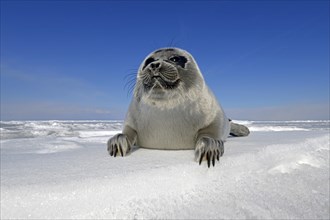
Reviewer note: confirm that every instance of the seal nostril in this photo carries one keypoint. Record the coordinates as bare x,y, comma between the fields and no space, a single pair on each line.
155,65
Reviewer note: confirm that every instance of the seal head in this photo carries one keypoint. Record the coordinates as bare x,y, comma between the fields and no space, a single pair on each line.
167,74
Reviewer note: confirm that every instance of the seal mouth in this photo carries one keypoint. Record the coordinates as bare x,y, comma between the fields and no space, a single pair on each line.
158,83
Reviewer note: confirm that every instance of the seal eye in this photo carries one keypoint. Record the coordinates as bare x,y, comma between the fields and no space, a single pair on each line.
148,61
179,60
175,59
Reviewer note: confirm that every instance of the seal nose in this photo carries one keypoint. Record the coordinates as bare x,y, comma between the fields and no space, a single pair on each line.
155,65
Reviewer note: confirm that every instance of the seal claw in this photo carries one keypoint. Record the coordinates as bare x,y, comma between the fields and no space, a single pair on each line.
115,151
121,151
208,157
201,158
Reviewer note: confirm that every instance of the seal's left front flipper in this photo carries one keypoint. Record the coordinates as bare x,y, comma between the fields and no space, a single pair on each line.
210,149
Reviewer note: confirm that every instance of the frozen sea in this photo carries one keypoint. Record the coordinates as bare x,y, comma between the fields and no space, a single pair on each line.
61,170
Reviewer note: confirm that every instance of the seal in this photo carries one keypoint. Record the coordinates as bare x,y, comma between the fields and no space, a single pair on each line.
173,109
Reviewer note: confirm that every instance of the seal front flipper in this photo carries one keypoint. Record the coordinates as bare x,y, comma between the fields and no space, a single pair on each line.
122,143
210,140
210,148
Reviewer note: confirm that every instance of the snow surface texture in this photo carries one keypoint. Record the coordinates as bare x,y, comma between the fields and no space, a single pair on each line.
61,170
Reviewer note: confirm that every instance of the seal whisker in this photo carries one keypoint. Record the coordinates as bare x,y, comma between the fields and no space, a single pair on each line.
129,85
130,79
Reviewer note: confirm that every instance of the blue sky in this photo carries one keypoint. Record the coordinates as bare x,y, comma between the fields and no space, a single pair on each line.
264,60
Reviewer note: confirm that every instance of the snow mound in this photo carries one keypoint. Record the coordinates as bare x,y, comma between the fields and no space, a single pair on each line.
267,175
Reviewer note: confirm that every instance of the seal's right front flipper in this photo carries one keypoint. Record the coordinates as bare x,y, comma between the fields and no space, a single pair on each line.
121,144
238,130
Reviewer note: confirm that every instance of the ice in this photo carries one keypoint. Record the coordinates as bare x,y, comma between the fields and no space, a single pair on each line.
61,170
277,128
30,129
286,125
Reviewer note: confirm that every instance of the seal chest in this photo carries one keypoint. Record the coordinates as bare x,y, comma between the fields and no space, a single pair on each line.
170,129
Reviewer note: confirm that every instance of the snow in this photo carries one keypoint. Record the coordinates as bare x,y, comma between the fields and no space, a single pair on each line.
61,170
